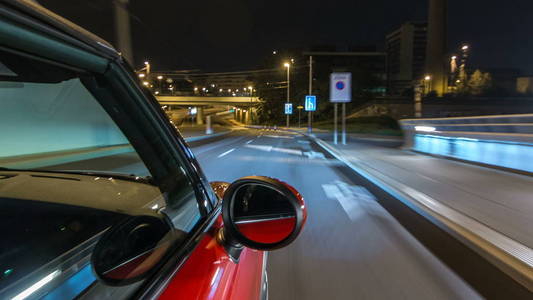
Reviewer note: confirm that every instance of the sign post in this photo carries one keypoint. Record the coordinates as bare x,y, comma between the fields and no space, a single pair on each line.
310,112
340,91
299,107
418,101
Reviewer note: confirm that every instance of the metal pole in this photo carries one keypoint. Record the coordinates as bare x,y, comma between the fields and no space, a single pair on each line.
299,117
335,124
418,101
288,91
309,121
344,123
122,29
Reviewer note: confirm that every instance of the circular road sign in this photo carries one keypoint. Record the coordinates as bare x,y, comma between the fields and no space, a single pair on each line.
340,85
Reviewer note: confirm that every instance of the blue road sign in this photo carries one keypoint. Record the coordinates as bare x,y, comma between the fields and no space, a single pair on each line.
310,103
288,108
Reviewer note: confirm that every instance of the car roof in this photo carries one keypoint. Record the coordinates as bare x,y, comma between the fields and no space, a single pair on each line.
40,18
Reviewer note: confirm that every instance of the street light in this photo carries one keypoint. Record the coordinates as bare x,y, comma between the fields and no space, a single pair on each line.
142,75
160,78
288,66
427,84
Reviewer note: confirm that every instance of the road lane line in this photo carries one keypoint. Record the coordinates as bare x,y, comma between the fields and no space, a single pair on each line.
349,197
227,152
249,142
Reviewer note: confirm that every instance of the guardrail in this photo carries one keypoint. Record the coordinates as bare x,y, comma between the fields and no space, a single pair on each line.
504,141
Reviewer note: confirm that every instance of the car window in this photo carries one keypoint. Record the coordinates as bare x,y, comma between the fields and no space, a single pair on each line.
69,174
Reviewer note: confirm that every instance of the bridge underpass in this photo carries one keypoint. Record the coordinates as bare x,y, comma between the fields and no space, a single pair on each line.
245,107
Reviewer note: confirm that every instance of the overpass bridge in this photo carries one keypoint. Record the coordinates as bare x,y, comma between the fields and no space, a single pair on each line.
208,100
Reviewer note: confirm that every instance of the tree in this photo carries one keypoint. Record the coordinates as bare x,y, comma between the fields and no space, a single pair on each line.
479,83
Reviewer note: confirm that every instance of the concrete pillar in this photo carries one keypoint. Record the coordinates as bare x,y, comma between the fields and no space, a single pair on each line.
247,117
199,115
208,128
122,29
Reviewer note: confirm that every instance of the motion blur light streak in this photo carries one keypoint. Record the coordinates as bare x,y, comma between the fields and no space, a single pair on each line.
425,128
39,284
508,155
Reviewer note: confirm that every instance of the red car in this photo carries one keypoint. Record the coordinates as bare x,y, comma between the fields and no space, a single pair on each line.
100,196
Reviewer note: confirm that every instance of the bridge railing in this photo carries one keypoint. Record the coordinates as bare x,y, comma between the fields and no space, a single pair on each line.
504,141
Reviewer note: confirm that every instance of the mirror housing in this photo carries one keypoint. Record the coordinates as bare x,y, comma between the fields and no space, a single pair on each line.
262,213
132,249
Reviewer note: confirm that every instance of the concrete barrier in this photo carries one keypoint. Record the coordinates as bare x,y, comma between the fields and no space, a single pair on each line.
504,141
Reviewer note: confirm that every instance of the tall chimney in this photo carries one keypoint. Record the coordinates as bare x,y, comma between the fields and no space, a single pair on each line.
436,45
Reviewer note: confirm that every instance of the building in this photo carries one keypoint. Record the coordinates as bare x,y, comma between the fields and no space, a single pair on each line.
436,60
524,85
406,56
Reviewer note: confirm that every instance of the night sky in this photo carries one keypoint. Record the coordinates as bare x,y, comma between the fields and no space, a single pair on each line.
235,34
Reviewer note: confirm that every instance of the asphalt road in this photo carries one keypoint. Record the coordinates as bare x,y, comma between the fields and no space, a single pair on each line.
351,247
359,242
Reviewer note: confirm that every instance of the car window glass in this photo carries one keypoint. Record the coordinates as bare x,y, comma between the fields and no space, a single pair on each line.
68,175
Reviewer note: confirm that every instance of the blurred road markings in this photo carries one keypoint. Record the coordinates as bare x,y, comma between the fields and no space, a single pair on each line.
279,136
313,155
275,149
348,196
227,152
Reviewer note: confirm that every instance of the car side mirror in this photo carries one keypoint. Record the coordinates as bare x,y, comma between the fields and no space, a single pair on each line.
132,249
262,213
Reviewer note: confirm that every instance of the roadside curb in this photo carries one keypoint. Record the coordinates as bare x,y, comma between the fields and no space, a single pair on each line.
508,255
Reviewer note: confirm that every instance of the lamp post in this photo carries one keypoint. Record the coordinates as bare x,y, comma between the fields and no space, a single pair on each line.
288,66
427,84
251,89
159,79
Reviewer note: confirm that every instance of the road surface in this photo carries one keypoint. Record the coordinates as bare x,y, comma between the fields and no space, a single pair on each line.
359,242
351,247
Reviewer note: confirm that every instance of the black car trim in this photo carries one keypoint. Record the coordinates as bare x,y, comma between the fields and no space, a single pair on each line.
42,19
22,37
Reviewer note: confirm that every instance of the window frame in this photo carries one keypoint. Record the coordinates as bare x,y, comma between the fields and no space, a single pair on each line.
127,93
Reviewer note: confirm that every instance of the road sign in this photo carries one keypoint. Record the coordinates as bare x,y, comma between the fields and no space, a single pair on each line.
310,103
340,90
288,108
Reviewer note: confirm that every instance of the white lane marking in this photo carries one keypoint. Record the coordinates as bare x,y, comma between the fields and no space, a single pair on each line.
275,149
279,136
227,152
288,151
349,197
249,142
304,142
313,154
260,147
